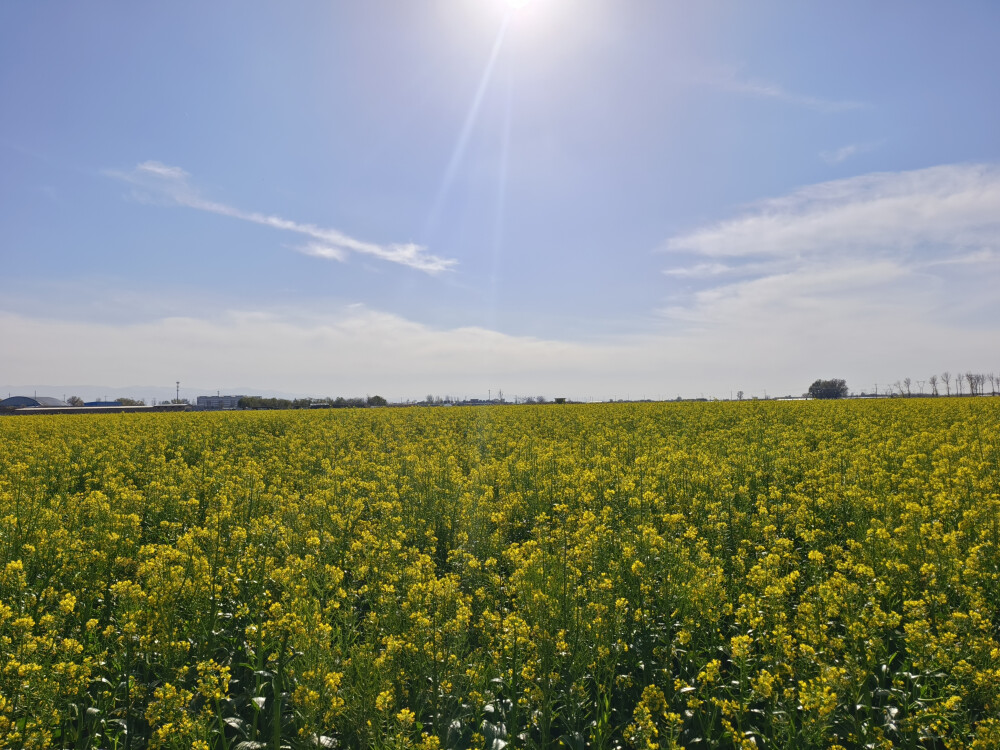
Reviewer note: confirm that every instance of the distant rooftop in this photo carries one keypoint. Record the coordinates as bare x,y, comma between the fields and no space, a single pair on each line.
18,402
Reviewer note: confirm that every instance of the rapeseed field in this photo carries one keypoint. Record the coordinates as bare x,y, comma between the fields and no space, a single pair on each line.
733,575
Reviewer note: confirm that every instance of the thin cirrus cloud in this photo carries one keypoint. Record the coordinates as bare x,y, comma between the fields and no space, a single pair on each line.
903,247
732,80
172,183
700,270
939,211
322,250
842,154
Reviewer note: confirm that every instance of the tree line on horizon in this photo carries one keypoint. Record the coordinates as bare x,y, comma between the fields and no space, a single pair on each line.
121,401
974,384
968,383
261,402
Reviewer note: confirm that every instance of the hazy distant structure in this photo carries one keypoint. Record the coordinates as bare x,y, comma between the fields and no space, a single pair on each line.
19,402
215,403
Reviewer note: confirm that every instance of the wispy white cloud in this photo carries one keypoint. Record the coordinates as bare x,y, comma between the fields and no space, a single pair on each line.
839,155
842,154
942,209
701,270
979,257
320,250
716,270
162,170
826,287
172,184
733,80
883,268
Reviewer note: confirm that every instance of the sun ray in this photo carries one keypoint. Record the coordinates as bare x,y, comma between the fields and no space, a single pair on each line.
458,152
501,210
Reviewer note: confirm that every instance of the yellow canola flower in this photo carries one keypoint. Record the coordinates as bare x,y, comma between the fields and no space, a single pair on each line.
384,569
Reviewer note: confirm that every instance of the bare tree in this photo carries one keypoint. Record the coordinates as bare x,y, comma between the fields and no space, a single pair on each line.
906,382
993,384
739,395
958,384
933,382
946,377
970,378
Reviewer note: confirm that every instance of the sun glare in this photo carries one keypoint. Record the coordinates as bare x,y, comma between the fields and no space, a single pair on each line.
516,3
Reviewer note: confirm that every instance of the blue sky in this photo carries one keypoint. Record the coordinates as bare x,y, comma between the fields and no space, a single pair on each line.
567,197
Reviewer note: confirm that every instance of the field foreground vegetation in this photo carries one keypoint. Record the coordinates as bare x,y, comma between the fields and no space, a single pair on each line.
771,575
